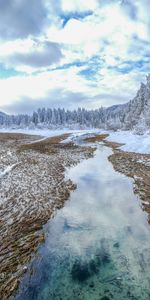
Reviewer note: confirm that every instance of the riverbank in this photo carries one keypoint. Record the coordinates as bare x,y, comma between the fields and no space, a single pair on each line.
33,186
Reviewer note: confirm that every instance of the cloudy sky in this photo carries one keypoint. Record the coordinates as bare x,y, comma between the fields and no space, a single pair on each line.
70,53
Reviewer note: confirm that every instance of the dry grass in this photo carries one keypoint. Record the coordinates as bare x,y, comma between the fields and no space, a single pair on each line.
102,138
47,146
96,138
5,136
112,145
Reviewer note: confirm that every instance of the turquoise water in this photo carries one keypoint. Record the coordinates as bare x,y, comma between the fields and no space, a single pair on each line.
98,246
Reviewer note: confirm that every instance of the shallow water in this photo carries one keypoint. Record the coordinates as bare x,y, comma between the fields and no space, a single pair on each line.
98,245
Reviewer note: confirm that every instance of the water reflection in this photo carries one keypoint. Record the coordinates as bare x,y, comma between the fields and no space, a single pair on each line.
98,245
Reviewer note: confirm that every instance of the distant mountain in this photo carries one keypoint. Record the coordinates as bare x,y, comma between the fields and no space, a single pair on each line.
134,115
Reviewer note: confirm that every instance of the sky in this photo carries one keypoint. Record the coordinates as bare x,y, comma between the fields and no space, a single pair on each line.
72,53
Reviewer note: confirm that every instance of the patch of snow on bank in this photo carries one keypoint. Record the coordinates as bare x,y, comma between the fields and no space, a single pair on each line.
81,133
7,170
133,142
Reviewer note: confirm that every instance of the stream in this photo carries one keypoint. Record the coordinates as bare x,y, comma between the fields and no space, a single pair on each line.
97,246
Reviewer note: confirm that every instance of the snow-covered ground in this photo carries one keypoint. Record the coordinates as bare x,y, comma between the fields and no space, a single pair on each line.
7,170
133,142
49,132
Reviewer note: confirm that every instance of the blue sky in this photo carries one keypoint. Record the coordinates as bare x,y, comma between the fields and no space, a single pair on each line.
72,53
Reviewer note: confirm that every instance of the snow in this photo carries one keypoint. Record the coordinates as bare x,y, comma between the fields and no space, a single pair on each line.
51,133
7,170
42,132
133,142
81,133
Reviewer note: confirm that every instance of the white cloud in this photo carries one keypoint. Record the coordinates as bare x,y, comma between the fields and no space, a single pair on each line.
30,55
78,5
108,33
19,19
61,87
38,86
9,47
109,42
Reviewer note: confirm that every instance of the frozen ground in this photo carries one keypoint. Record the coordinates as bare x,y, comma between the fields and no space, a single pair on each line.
133,142
48,132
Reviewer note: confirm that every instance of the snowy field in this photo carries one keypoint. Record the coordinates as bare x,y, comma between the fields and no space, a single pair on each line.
133,142
50,133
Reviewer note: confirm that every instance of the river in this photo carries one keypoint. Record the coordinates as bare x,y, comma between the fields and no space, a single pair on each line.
97,246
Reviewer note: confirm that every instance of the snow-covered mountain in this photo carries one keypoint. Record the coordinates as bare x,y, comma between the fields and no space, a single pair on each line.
134,115
137,115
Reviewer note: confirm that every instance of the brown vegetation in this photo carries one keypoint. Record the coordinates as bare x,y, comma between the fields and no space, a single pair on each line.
6,136
112,145
96,138
48,146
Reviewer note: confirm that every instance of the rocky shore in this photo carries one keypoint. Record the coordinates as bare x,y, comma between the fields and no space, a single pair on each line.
32,187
